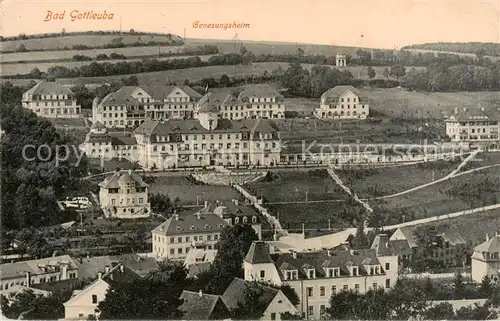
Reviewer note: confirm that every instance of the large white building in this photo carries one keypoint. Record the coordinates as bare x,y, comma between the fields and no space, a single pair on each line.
343,102
316,276
256,101
485,261
51,100
474,125
130,106
124,195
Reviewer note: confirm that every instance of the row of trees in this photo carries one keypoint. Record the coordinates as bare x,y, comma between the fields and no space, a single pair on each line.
477,48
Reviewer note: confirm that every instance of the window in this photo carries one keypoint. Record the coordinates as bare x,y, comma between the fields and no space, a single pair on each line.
179,240
309,291
354,270
345,287
322,309
273,316
262,274
310,310
334,289
179,250
94,299
172,240
321,291
172,251
387,283
387,266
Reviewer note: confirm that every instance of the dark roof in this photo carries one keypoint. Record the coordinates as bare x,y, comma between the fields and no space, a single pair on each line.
142,266
235,293
119,176
229,209
211,101
90,267
161,92
35,267
97,125
260,91
98,138
491,245
49,88
198,306
258,253
189,224
476,114
63,285
123,140
334,93
122,96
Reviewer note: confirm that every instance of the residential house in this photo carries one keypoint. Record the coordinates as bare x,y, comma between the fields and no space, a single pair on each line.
316,276
478,126
84,303
27,273
274,302
262,101
203,306
90,267
174,238
124,195
51,100
485,261
199,259
343,102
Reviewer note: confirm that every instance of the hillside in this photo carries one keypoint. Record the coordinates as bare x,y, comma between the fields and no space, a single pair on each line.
89,39
486,48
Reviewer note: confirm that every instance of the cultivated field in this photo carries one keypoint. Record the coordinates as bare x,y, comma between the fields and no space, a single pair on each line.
72,40
456,194
26,68
188,191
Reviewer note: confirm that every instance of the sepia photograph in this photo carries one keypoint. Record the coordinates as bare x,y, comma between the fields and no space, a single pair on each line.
250,160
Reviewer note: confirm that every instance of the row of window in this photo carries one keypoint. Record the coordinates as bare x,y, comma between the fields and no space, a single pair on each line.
59,111
186,239
348,106
50,97
345,287
53,278
66,103
490,123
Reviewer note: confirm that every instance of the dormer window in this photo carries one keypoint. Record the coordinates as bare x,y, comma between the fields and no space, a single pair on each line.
311,273
333,272
254,219
291,274
245,219
236,220
354,271
193,227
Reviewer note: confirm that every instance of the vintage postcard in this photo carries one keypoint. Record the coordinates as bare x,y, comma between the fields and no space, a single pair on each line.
250,160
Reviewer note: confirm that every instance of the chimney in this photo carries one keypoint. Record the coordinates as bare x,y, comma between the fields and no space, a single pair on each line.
130,172
200,293
28,279
456,110
482,108
235,202
328,252
122,269
487,237
106,269
294,254
99,275
198,215
206,204
464,109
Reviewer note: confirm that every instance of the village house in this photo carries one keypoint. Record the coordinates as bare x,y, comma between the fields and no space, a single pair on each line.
274,301
174,238
124,195
130,106
485,261
202,306
90,267
51,100
343,102
45,270
316,276
479,126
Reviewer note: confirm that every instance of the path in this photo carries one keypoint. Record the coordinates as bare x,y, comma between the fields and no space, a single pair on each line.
348,191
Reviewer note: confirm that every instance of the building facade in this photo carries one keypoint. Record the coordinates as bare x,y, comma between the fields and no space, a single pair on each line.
175,237
51,100
343,102
341,60
130,106
485,261
124,195
235,213
475,125
316,276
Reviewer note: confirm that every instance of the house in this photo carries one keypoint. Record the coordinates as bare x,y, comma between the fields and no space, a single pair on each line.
84,303
486,259
274,301
226,105
124,195
27,273
174,238
262,101
479,126
316,276
202,306
343,102
90,267
51,100
130,106
199,259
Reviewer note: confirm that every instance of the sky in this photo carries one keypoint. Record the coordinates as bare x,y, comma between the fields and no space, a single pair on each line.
367,23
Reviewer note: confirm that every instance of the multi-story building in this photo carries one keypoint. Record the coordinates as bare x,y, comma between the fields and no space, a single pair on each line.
316,276
124,195
46,270
485,261
130,106
175,237
343,102
262,101
51,100
206,141
475,125
226,105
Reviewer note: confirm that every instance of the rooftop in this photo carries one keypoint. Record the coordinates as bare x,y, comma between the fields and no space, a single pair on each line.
258,253
191,224
235,293
259,91
334,93
49,88
475,114
122,176
491,245
197,305
36,267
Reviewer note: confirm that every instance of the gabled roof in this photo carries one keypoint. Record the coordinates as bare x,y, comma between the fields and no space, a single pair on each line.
198,306
35,267
90,267
159,92
97,125
49,88
492,245
122,176
229,209
259,91
476,114
122,96
334,93
191,224
235,293
258,253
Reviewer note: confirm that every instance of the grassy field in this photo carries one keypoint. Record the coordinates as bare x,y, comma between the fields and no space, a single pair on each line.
71,40
483,159
456,194
26,68
187,191
385,181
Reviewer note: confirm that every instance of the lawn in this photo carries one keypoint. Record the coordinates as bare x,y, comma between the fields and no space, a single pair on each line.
87,40
292,186
468,191
68,122
111,165
188,192
390,180
483,159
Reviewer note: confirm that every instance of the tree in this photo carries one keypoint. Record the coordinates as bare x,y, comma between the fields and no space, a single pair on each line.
397,71
441,311
177,204
253,305
224,80
290,293
459,285
160,203
21,48
130,81
371,72
386,73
